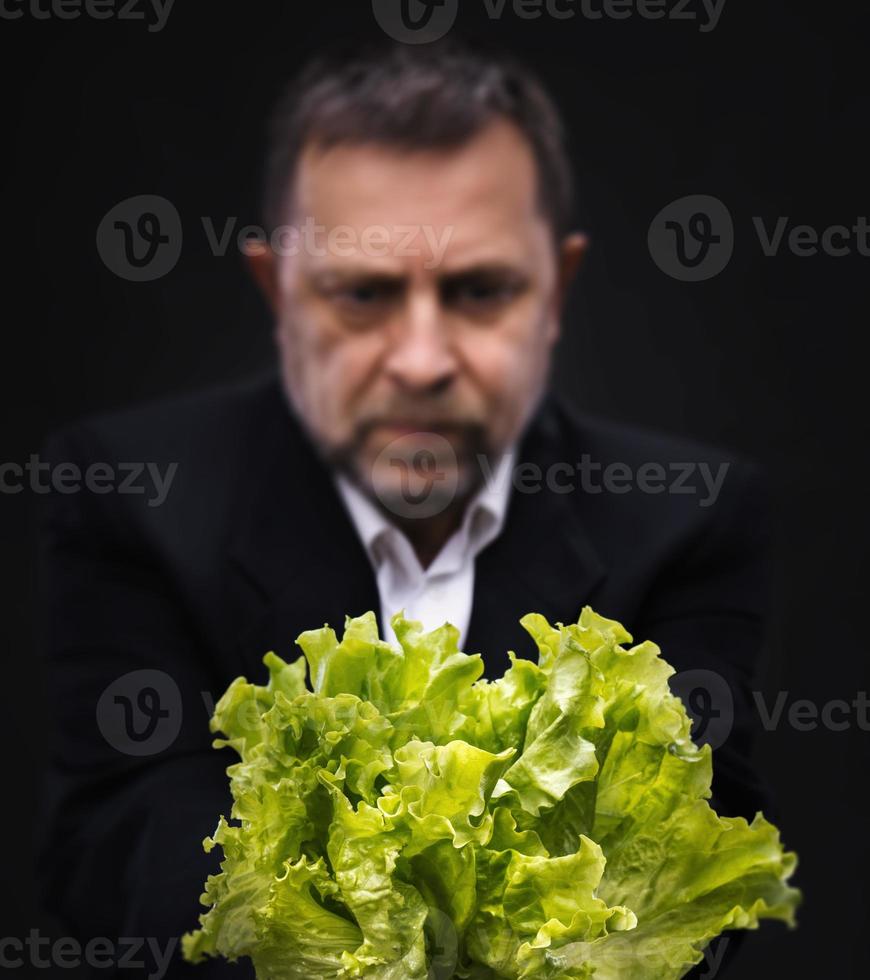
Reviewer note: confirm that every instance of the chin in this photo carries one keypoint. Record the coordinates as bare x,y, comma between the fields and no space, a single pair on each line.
409,493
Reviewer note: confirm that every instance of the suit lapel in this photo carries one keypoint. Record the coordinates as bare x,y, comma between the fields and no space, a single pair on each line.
301,563
543,561
295,547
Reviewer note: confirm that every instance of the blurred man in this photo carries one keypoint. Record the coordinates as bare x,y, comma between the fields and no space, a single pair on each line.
408,454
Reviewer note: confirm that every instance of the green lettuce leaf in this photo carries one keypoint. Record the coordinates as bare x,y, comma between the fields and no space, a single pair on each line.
402,818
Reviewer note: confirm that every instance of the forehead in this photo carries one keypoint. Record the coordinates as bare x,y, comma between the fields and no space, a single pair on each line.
484,192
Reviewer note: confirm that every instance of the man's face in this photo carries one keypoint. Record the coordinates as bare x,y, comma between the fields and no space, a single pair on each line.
418,309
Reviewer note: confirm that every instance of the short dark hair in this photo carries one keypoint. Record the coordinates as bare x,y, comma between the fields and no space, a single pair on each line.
415,97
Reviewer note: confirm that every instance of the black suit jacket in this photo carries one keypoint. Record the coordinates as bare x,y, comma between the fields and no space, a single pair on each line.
253,546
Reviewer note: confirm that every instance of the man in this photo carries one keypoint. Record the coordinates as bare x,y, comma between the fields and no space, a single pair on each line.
409,454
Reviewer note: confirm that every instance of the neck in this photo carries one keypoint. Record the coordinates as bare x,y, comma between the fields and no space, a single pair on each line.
428,536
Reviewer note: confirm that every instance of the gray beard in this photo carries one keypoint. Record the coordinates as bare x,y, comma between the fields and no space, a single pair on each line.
435,497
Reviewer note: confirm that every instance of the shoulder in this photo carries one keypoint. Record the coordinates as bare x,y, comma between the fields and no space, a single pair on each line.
179,426
612,441
168,470
645,488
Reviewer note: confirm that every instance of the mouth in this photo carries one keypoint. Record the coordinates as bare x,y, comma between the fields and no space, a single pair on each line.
403,428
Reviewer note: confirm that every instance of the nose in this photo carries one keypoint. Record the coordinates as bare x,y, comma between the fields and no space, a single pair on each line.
421,358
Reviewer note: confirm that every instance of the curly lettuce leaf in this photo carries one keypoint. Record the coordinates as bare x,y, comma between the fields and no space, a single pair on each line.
402,817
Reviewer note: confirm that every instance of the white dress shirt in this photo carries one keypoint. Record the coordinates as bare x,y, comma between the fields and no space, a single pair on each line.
442,592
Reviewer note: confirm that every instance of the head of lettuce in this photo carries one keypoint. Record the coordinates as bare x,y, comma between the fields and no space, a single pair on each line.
405,819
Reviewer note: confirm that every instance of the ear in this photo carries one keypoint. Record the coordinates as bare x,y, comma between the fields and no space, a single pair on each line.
263,268
572,251
569,256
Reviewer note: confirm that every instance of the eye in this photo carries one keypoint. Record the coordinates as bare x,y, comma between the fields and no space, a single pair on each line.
361,300
364,294
481,292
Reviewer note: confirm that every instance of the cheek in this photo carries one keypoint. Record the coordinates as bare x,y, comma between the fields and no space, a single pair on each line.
328,370
508,361
345,371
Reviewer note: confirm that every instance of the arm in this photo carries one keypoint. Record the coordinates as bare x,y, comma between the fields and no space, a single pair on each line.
708,612
123,820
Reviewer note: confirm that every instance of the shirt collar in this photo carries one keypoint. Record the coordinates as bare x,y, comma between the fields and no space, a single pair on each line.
482,520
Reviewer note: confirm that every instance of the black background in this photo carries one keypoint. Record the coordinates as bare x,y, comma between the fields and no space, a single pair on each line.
768,112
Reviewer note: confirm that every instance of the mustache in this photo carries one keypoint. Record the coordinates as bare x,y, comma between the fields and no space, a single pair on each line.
425,422
474,441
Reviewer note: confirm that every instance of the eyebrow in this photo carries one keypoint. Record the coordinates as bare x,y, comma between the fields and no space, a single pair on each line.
493,270
338,277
